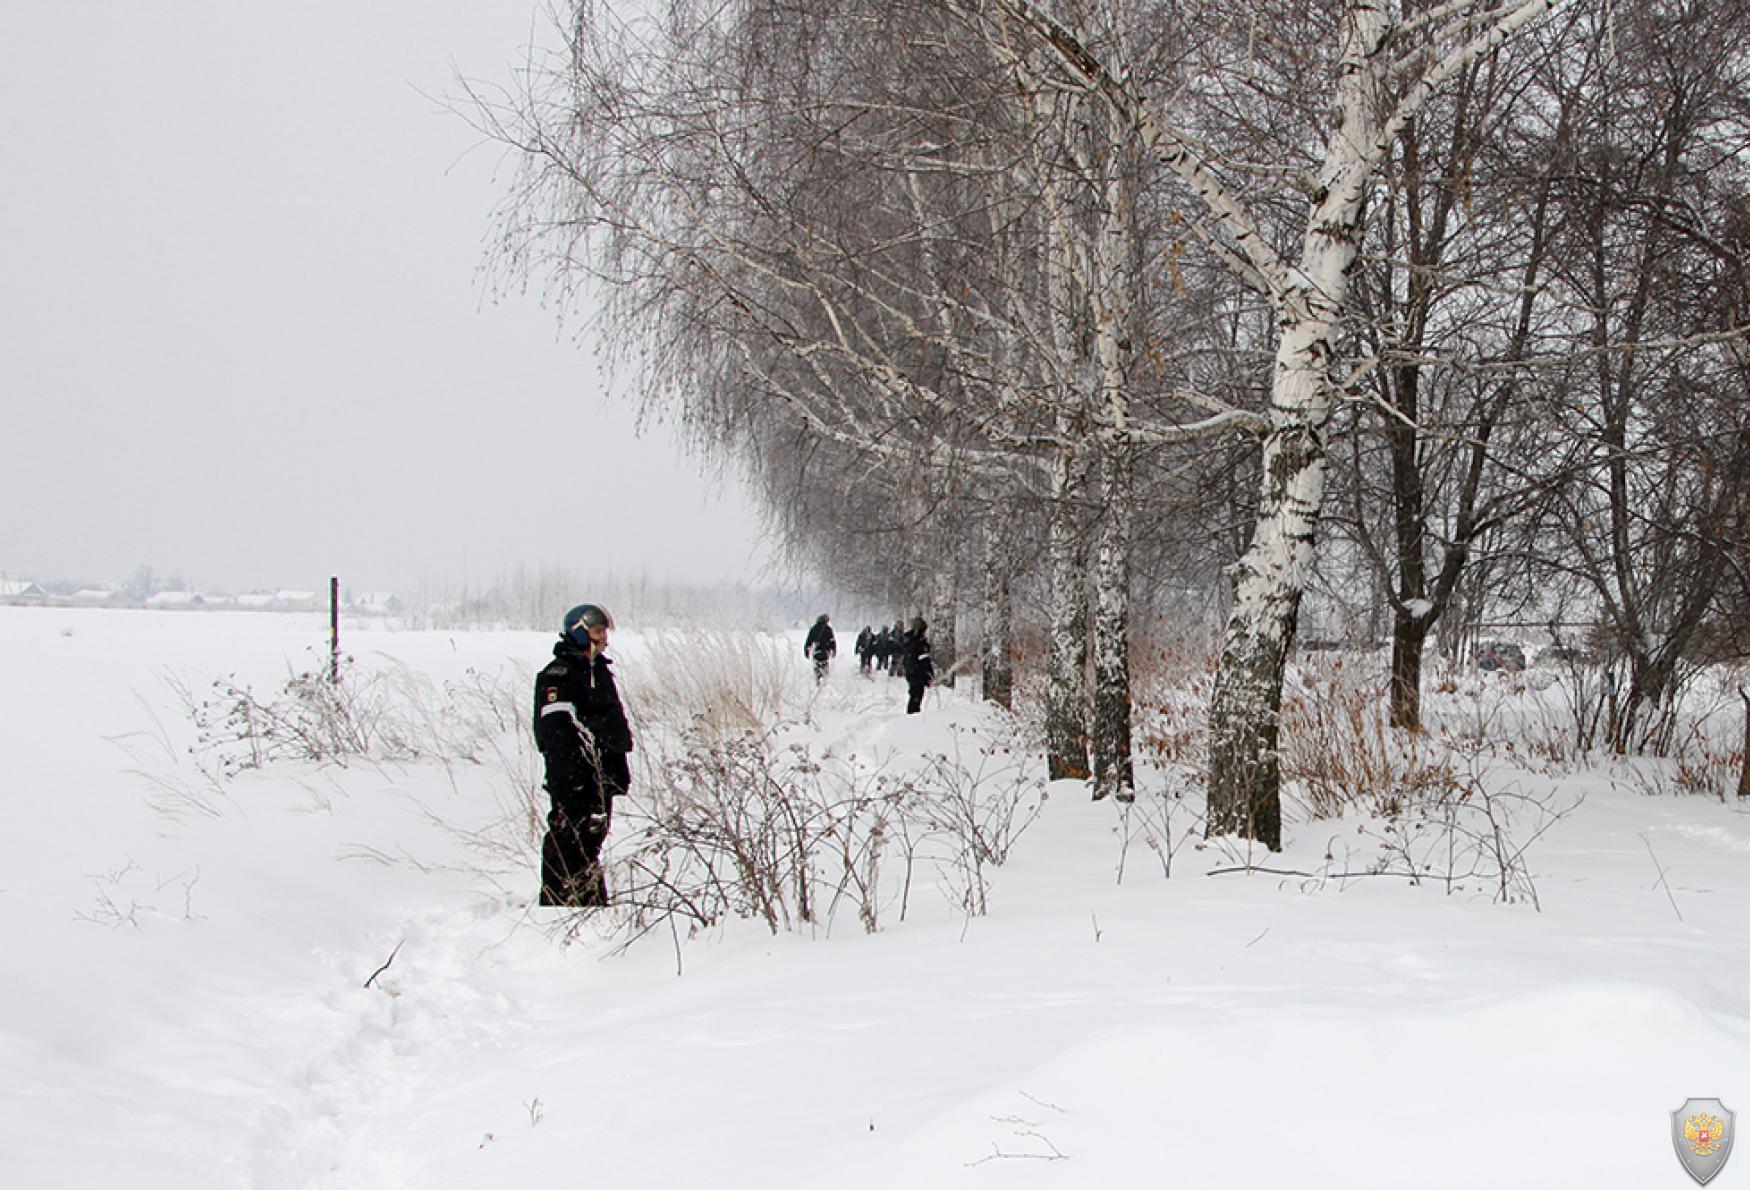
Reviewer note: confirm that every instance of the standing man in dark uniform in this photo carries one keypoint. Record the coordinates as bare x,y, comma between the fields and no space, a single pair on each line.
820,646
584,738
920,667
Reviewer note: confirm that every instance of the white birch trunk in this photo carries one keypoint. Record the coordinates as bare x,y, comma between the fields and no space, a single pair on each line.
1066,737
1244,713
1066,710
1114,770
1114,311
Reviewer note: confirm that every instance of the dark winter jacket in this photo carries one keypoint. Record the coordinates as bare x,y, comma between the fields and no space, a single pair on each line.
886,644
821,643
865,642
582,731
920,667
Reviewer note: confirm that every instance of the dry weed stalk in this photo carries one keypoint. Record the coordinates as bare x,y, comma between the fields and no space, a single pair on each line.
726,681
1340,752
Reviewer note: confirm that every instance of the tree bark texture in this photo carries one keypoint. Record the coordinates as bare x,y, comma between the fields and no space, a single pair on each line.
1408,648
1114,770
944,612
997,670
1066,737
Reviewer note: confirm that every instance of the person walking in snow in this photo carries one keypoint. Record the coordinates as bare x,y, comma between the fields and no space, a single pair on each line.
889,645
581,730
820,646
865,649
920,667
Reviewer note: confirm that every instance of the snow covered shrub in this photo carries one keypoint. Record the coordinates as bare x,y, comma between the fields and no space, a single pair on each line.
1150,822
392,715
1027,696
316,715
755,824
1584,693
1709,741
479,718
1470,833
978,804
481,721
741,825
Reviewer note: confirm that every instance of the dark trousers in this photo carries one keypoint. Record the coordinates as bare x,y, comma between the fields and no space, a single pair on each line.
571,869
915,703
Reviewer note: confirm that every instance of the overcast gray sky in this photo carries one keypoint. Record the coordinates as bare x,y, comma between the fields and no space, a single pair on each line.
241,335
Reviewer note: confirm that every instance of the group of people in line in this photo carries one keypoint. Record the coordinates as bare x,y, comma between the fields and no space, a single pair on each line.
585,740
895,650
880,649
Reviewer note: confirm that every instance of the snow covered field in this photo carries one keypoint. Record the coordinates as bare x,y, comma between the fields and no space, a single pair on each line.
185,1004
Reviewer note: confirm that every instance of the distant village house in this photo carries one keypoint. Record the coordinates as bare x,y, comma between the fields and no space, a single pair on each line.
21,590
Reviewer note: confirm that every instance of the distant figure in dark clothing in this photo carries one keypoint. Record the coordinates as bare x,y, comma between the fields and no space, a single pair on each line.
892,645
920,667
820,646
584,738
865,649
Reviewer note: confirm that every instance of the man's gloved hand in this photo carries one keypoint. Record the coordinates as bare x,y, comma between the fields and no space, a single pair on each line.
617,772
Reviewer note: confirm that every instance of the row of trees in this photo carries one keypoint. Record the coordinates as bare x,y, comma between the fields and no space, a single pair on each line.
1084,306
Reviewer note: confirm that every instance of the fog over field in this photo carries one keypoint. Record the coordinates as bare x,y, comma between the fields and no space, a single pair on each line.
249,342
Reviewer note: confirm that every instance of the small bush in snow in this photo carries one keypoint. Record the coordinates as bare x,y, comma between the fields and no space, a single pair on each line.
314,715
975,802
1426,800
742,826
1472,833
747,825
391,715
1701,762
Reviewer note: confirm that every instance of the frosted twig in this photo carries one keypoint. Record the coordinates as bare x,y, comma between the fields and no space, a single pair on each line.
1659,868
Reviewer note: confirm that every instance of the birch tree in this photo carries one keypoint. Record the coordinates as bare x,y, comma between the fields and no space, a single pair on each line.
1380,64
